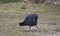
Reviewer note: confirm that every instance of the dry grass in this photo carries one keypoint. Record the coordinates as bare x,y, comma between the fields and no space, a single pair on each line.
11,14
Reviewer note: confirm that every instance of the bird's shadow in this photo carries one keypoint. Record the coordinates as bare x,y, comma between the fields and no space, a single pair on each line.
31,30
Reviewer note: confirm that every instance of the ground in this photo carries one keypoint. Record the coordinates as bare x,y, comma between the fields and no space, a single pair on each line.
11,14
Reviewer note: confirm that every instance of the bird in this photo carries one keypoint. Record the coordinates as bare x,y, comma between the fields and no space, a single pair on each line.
30,20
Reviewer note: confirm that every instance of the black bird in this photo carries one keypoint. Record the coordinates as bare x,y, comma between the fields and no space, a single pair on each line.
30,20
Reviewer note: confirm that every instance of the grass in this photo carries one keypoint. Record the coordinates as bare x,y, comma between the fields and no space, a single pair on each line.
12,13
8,1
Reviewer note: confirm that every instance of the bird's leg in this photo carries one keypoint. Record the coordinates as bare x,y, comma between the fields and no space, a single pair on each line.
29,28
36,27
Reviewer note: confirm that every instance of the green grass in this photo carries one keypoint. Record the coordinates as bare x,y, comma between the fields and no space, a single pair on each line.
7,1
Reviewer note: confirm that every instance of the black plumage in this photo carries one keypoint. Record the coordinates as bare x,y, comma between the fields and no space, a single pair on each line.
30,20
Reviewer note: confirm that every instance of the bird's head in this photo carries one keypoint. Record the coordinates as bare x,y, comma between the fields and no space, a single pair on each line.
21,24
